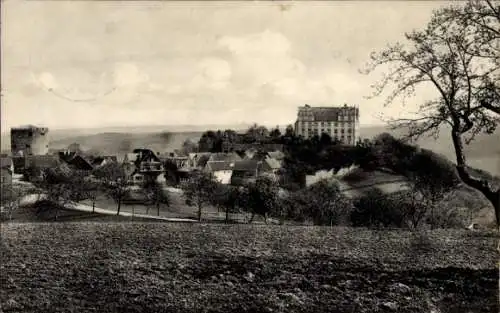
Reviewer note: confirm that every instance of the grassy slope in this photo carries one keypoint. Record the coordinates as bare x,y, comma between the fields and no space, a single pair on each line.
359,182
116,267
483,152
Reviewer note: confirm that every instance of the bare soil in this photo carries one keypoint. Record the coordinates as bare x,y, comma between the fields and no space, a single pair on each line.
151,267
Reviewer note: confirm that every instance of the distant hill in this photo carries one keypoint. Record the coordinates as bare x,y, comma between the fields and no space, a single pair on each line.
121,143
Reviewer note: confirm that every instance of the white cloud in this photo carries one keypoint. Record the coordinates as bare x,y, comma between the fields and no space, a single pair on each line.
128,75
213,73
266,59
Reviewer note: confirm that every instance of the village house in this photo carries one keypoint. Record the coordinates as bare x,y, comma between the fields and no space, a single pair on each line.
227,157
222,170
142,163
174,158
7,170
198,160
41,163
104,160
79,162
247,171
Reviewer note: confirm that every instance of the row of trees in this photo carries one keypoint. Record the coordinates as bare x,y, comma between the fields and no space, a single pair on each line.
258,198
212,141
62,188
324,203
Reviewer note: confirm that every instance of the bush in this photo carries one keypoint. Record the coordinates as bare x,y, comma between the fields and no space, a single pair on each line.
375,209
322,203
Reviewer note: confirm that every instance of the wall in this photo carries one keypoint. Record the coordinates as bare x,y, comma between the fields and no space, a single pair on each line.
29,141
223,177
6,176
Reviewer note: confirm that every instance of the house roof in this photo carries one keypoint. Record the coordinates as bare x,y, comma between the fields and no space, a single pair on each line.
278,155
42,161
131,157
326,114
202,160
180,152
215,166
273,163
80,162
246,165
113,158
6,162
225,157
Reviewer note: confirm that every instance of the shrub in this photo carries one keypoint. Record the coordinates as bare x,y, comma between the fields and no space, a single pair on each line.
375,209
322,203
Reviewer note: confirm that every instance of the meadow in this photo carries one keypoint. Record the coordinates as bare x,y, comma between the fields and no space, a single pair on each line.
153,267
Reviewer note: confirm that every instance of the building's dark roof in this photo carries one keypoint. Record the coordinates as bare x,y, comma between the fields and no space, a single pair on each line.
25,127
326,114
214,166
6,162
80,162
42,161
246,165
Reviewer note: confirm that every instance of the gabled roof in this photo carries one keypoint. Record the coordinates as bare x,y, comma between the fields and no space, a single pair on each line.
273,163
80,162
215,166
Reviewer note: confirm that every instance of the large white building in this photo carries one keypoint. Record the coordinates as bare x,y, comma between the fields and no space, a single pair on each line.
341,123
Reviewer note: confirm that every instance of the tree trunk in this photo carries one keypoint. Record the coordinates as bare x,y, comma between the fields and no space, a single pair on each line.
227,215
251,218
119,206
199,212
158,208
93,205
482,186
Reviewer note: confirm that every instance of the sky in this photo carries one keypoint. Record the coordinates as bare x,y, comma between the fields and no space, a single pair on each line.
102,64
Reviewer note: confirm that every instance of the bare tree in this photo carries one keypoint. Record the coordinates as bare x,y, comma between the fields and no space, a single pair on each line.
457,55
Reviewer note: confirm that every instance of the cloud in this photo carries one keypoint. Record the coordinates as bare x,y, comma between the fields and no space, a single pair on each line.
128,75
266,59
213,73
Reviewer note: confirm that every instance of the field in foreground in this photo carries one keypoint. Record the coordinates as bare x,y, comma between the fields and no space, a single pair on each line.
147,267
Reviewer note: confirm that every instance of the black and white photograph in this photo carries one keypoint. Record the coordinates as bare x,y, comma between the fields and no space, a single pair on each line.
250,156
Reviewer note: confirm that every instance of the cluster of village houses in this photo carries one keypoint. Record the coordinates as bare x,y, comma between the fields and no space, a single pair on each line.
233,168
